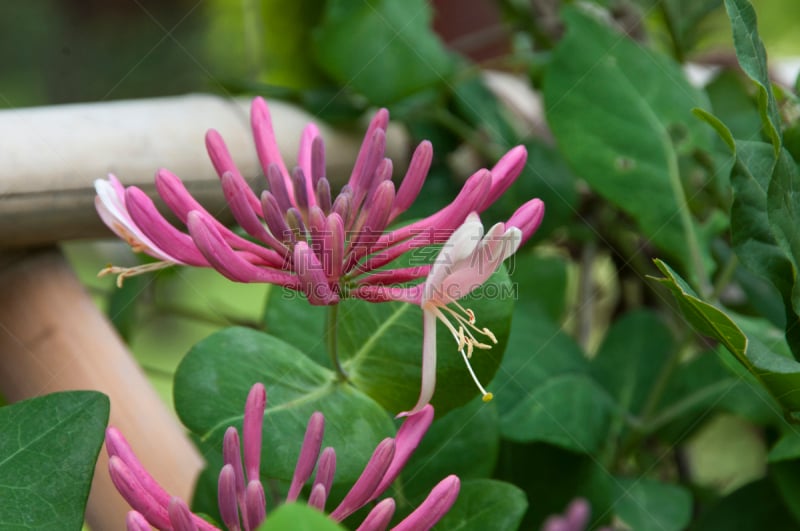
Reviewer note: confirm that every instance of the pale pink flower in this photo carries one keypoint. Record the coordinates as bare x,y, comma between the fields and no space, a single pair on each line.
301,237
465,262
241,495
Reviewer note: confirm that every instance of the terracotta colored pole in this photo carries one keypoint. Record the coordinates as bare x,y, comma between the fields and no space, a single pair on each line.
53,338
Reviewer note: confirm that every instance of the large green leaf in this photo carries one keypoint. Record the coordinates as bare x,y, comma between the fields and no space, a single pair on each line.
48,450
622,117
753,59
383,49
783,210
779,374
212,382
543,388
569,410
647,505
631,356
289,316
537,351
486,504
381,345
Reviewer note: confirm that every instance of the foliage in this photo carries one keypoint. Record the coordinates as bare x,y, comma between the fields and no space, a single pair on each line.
660,293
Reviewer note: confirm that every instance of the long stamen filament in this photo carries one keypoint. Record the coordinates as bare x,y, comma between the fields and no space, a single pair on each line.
125,272
464,338
486,395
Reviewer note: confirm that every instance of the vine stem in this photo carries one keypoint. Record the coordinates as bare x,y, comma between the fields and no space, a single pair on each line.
331,329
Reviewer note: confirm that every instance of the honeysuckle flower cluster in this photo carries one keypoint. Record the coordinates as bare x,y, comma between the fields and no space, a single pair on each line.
241,498
300,236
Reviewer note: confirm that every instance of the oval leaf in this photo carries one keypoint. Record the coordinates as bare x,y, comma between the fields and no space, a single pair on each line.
47,456
212,382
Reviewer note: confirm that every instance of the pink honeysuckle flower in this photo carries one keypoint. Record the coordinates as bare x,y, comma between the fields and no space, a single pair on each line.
300,236
241,498
464,263
575,518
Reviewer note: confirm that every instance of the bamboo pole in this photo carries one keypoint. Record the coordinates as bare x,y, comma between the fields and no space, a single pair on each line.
50,156
53,338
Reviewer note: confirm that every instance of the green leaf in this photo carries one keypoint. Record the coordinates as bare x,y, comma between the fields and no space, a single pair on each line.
47,456
383,49
622,117
631,357
289,316
753,59
212,382
571,411
780,375
734,105
751,231
381,348
486,504
644,505
543,389
755,506
541,280
783,210
786,475
481,108
298,517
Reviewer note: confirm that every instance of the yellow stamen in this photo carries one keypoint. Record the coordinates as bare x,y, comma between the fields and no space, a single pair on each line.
465,338
125,272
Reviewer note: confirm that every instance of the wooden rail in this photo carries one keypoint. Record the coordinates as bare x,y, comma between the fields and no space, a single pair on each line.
52,337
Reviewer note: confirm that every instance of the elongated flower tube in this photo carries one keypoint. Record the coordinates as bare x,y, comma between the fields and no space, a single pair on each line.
297,234
241,495
463,264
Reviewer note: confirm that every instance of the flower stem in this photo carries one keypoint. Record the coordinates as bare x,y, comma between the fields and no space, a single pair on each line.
331,328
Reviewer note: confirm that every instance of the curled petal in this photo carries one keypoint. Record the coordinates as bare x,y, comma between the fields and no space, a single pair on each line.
435,506
165,236
110,205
